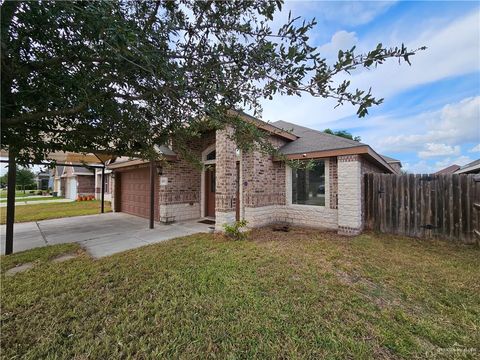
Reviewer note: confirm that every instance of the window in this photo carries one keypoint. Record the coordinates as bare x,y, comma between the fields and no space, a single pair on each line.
211,156
308,185
107,182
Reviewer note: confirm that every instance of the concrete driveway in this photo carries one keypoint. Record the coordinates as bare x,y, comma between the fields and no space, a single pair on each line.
101,235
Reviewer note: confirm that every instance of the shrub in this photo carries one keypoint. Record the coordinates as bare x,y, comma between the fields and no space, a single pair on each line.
234,230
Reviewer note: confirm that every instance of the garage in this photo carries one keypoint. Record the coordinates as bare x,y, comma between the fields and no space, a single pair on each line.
135,192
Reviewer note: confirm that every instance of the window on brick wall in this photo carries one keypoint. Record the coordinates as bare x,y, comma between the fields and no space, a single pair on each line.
107,183
211,156
308,185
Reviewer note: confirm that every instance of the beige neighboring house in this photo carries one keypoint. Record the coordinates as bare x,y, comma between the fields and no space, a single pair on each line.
259,188
56,174
73,181
108,184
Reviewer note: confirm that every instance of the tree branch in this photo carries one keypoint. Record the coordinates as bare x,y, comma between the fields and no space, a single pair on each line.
40,115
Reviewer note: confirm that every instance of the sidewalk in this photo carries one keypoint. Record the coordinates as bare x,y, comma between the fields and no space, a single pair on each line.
25,202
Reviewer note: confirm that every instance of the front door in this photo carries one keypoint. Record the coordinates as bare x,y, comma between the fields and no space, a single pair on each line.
210,184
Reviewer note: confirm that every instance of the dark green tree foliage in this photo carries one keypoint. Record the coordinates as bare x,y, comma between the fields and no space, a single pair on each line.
25,178
122,76
342,133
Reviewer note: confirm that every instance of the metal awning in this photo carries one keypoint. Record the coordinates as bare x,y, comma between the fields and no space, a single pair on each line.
71,158
64,158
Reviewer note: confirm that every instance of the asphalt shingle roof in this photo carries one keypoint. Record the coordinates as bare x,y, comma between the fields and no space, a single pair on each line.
312,140
473,163
448,170
388,159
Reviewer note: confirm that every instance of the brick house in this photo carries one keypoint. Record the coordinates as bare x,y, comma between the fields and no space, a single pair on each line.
234,185
73,181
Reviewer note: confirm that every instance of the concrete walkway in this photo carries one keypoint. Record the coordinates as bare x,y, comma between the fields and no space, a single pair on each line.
101,235
26,202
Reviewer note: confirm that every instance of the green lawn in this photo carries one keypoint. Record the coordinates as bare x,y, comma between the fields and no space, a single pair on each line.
33,198
37,212
303,295
18,193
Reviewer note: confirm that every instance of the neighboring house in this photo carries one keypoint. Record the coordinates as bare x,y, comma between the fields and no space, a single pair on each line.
448,170
254,186
76,181
98,184
57,173
470,168
394,163
43,180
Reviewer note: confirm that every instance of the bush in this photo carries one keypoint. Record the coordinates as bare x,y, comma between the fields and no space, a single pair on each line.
234,230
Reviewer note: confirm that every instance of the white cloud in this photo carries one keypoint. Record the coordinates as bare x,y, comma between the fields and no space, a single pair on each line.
452,51
436,150
340,40
420,167
424,167
475,148
454,124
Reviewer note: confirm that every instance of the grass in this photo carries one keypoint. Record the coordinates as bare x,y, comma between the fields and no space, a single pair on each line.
37,255
34,198
36,212
302,294
18,193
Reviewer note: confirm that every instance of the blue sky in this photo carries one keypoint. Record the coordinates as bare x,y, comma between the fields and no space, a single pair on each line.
431,114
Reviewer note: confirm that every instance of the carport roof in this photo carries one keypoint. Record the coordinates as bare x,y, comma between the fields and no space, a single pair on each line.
72,158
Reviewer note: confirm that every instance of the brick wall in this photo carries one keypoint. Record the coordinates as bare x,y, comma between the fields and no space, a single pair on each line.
349,194
225,196
263,179
181,196
85,185
300,215
333,182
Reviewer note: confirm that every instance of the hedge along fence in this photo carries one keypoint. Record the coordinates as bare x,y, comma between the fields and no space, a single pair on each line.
427,206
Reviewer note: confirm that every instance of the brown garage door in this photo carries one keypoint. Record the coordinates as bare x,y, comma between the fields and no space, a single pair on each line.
135,193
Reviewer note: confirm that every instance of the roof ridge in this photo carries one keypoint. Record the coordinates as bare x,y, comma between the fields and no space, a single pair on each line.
341,138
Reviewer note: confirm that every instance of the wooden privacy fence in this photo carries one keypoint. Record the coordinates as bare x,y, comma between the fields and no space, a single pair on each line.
428,206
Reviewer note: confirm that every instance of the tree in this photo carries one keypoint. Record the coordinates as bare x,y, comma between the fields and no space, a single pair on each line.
3,180
123,76
342,133
25,178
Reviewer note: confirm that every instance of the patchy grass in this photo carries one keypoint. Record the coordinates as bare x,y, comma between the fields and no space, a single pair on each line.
302,294
33,198
45,211
37,255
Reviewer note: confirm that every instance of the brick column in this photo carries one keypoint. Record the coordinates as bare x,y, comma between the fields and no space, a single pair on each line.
226,173
349,170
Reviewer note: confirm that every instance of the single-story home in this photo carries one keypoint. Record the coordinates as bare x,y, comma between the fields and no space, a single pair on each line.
470,168
234,185
44,180
73,181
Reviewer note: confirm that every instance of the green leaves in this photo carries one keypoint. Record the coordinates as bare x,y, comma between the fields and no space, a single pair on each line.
122,77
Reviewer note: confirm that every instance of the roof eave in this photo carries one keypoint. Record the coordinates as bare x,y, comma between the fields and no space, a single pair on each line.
266,126
356,150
